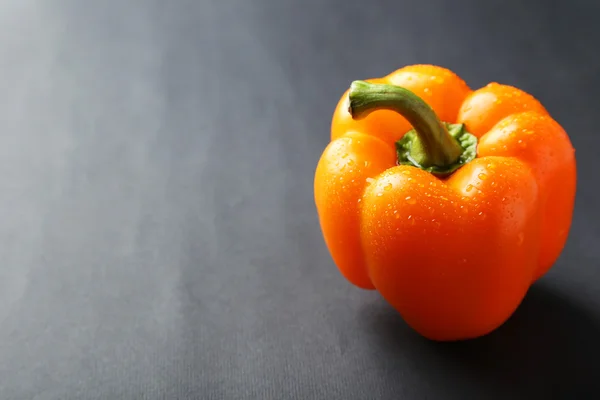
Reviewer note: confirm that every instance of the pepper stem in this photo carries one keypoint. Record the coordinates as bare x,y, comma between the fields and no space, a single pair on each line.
438,148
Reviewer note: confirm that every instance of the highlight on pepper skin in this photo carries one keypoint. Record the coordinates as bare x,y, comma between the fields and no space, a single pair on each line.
449,201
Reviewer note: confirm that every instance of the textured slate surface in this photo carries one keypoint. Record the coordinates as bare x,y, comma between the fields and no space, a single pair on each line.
159,234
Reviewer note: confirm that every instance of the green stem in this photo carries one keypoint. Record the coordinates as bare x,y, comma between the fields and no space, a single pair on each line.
439,148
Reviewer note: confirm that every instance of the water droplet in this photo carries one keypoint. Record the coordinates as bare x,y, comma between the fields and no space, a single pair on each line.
370,180
520,238
367,163
469,188
359,200
344,155
379,194
387,187
396,215
426,90
406,172
410,200
482,176
504,199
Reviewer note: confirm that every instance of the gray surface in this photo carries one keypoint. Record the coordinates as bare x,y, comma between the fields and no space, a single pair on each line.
159,234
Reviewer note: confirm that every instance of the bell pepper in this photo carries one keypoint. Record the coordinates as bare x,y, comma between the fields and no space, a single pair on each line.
450,202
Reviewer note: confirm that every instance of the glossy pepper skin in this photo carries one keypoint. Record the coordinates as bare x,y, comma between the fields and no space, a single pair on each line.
453,249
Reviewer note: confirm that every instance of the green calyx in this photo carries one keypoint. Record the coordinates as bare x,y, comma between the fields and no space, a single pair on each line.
410,150
434,146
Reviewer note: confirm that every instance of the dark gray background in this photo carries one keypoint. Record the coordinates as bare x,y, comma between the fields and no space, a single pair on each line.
159,237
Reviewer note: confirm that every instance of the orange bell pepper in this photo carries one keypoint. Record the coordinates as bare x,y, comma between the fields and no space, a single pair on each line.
453,220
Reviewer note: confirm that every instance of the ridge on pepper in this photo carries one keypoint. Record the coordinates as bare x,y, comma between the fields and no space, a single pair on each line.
450,202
